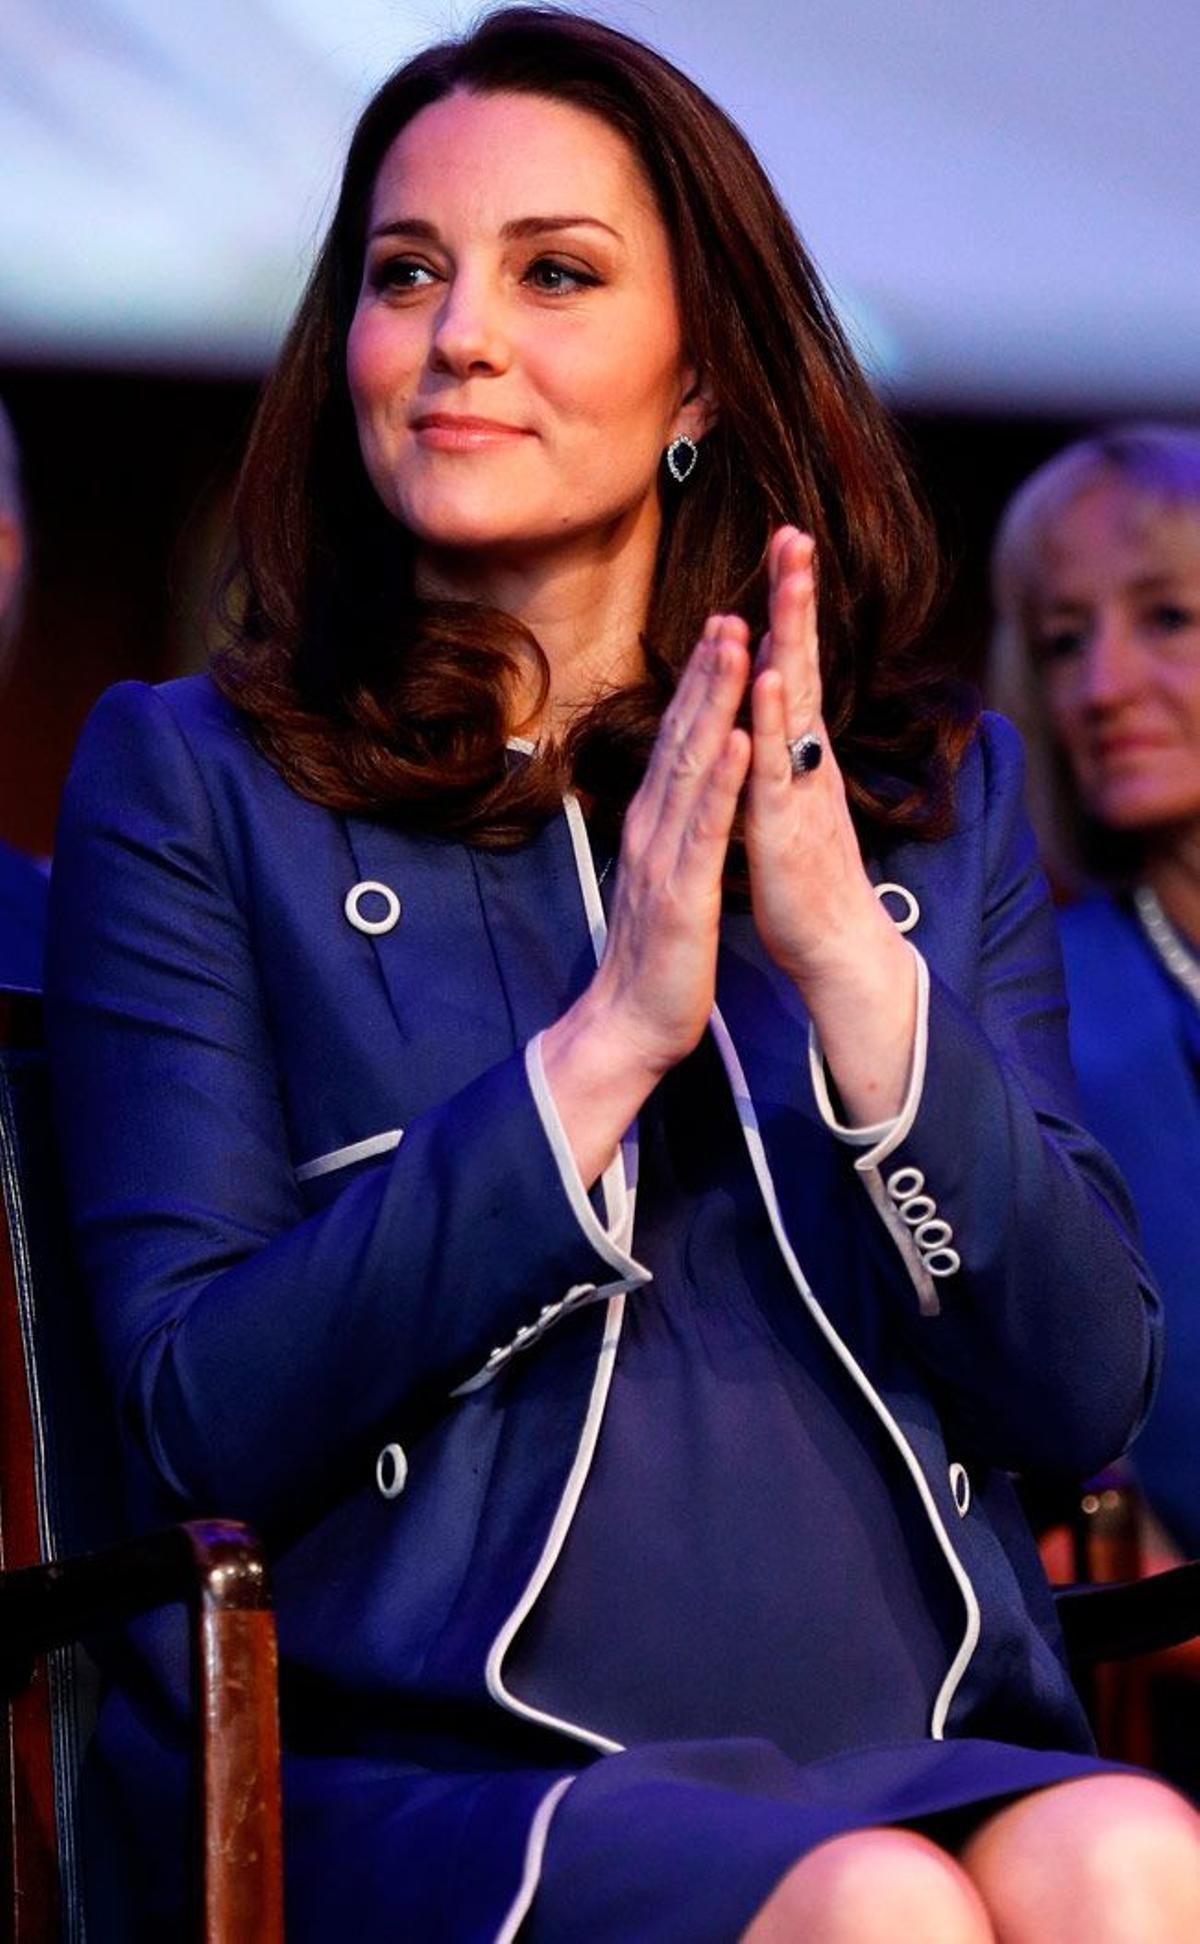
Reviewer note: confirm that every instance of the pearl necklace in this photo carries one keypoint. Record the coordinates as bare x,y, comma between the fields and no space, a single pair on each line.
1183,966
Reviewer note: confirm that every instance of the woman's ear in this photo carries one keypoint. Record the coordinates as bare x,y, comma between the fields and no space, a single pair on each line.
697,413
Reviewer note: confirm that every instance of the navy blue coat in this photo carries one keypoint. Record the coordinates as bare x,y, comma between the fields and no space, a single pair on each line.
1137,1077
325,1208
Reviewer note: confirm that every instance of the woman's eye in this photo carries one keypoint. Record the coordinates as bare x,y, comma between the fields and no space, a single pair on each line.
400,273
1169,618
1058,644
555,278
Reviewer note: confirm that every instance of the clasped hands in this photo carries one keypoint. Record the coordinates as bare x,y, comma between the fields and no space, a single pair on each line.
813,903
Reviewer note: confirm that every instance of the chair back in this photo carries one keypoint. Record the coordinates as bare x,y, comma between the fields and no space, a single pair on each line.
59,1492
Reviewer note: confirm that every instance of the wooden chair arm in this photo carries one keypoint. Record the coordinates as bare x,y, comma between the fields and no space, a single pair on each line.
217,1568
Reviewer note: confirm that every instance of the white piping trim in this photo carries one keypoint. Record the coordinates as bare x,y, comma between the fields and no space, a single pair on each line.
585,870
619,1180
535,1850
618,1184
560,1526
344,1157
758,1159
617,1200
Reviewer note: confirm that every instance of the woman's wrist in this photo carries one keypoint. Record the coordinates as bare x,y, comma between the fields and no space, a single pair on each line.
599,1077
864,1012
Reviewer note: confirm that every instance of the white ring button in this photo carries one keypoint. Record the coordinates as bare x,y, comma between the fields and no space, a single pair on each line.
950,1262
371,888
904,1183
960,1485
391,1470
932,1235
912,910
918,1209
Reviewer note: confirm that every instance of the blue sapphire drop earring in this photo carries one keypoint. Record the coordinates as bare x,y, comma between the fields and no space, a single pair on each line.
682,454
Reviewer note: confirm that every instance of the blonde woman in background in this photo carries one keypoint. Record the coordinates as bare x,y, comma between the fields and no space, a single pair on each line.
1096,654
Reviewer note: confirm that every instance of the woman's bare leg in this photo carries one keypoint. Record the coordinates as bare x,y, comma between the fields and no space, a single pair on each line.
873,1887
1109,1859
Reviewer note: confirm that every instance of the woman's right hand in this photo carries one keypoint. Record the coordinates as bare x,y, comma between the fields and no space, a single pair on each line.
649,1002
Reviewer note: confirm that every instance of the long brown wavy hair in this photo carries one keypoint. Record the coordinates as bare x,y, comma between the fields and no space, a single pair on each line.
370,699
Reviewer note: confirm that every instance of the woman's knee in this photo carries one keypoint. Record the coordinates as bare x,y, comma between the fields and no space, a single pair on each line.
873,1885
1112,1857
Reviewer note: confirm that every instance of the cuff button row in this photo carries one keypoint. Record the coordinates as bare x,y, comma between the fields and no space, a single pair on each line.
917,1209
548,1315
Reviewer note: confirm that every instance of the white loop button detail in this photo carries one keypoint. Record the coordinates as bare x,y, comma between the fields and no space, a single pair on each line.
960,1485
918,1209
371,888
943,1262
391,1470
933,1235
905,1182
912,910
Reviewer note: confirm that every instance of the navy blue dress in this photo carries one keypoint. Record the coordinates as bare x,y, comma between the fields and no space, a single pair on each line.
741,1549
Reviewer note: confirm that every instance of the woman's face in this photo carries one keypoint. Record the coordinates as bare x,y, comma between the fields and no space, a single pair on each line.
1116,629
515,359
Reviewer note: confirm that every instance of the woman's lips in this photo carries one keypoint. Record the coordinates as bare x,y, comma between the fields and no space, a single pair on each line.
452,432
1115,749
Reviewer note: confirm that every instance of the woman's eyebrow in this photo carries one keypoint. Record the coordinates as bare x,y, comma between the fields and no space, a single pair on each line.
520,227
1165,580
539,225
1062,603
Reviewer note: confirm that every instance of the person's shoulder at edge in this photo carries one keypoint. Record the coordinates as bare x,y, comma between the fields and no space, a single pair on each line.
994,761
134,727
24,892
194,701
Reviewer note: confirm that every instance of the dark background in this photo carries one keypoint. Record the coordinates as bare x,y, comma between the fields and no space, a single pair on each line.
127,479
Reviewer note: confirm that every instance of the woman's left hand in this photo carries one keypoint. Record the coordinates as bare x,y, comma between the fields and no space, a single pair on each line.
814,905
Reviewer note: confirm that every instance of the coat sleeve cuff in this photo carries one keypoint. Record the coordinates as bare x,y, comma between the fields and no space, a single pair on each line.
610,1239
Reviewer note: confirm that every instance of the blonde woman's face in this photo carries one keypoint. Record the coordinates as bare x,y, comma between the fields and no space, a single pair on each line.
1116,633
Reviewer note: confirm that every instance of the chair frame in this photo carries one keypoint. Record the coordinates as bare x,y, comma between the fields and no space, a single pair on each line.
47,1602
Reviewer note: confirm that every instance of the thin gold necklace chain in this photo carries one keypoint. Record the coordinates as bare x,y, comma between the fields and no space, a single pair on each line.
1166,942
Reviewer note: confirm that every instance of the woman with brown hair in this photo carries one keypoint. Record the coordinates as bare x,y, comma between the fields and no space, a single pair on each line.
586,1158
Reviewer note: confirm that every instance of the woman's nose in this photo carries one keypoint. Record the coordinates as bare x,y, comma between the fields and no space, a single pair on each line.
1110,663
468,333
